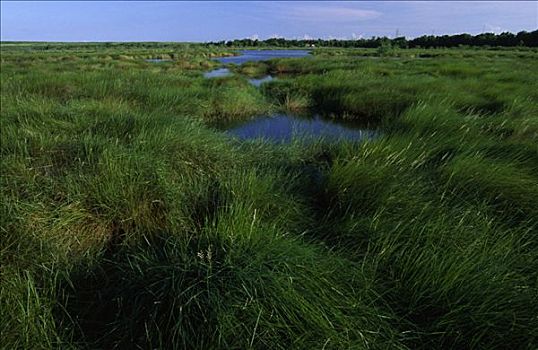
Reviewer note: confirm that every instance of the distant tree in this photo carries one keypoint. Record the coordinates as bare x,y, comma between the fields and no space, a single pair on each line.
386,48
506,39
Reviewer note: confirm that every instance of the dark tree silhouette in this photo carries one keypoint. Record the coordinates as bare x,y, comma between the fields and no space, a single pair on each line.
506,39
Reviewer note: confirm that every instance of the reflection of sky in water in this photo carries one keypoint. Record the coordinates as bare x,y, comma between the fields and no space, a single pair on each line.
216,73
261,55
283,128
258,82
252,55
158,60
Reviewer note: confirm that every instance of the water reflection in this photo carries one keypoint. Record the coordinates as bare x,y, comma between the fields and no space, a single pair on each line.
262,55
286,127
259,81
158,60
217,73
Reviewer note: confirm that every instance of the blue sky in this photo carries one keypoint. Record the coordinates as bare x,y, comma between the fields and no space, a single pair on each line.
207,21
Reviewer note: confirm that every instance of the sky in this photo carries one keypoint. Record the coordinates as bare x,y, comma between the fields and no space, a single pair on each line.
222,20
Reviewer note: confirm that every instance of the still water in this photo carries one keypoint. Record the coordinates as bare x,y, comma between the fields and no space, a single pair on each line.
217,73
253,56
262,55
259,81
285,127
158,60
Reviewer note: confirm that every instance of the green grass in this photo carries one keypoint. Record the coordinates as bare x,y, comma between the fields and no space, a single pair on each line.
129,221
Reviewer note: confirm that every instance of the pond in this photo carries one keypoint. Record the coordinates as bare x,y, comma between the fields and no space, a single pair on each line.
225,72
158,60
262,55
217,73
259,81
254,56
285,127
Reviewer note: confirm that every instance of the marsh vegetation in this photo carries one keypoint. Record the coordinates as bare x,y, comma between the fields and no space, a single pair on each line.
130,220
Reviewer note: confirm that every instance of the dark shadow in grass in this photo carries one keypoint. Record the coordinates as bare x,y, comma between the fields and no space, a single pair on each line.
486,105
150,291
152,295
370,108
422,319
69,156
206,205
523,153
328,225
440,157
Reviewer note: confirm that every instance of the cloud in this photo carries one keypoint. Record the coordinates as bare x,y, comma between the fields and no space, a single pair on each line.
329,13
492,28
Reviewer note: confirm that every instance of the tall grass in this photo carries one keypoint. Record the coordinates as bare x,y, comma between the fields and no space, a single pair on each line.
127,221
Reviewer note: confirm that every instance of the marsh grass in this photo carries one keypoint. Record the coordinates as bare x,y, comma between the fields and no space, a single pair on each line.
127,221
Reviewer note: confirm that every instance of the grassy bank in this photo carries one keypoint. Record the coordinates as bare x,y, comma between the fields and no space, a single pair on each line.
129,221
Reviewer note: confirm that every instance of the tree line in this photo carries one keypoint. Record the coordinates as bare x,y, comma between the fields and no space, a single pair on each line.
506,39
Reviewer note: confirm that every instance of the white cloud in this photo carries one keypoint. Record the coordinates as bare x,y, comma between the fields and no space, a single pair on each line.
337,37
489,28
330,13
